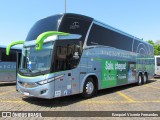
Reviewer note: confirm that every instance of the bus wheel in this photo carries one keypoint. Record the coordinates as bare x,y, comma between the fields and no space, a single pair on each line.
145,78
89,88
139,82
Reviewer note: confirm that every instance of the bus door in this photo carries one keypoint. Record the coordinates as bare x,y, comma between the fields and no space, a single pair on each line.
67,57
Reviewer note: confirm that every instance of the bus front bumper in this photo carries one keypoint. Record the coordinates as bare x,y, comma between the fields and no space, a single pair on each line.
40,91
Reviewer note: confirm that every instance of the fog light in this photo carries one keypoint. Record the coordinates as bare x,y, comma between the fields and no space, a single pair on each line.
43,91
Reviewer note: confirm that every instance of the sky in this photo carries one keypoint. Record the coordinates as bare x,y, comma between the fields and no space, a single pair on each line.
140,18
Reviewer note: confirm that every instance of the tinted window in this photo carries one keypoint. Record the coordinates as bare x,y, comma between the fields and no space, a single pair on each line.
46,24
140,47
67,55
103,36
75,26
10,58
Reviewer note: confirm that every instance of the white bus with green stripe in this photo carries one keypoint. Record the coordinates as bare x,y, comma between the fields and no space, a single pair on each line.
69,54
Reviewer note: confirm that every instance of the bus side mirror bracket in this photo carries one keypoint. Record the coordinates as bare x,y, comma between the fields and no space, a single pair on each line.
12,44
40,39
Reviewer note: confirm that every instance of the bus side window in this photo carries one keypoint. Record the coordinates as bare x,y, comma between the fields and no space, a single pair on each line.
73,55
11,57
67,56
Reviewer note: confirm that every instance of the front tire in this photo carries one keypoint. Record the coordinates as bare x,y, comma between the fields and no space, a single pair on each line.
89,88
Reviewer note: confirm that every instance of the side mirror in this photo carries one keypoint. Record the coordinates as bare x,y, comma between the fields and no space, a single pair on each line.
12,44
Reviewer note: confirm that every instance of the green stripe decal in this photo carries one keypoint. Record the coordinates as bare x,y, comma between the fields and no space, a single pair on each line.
97,59
32,77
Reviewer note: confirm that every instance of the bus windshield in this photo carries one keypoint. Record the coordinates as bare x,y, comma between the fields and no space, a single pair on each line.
36,62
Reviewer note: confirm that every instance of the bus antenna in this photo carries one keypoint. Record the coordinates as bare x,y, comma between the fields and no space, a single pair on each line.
65,6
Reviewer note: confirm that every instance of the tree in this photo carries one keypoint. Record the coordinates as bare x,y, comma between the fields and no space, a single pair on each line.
156,52
150,41
156,46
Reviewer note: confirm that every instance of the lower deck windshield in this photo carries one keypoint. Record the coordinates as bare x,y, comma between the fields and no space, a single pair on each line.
36,62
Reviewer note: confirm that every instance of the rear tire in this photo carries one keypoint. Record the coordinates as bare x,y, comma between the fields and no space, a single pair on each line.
140,79
89,88
145,78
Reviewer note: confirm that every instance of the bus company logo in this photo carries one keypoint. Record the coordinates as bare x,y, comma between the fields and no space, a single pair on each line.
6,114
74,25
5,66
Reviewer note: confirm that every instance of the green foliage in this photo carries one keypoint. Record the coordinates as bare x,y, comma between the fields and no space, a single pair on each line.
156,46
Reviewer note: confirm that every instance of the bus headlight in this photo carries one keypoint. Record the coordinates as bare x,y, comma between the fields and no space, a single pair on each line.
45,81
42,82
50,80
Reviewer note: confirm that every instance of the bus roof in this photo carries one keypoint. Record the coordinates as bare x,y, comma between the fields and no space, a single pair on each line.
57,24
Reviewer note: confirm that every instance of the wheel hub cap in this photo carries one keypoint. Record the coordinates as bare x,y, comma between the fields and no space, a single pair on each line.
89,88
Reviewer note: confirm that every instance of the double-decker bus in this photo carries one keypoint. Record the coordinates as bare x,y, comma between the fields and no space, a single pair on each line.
68,54
8,64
